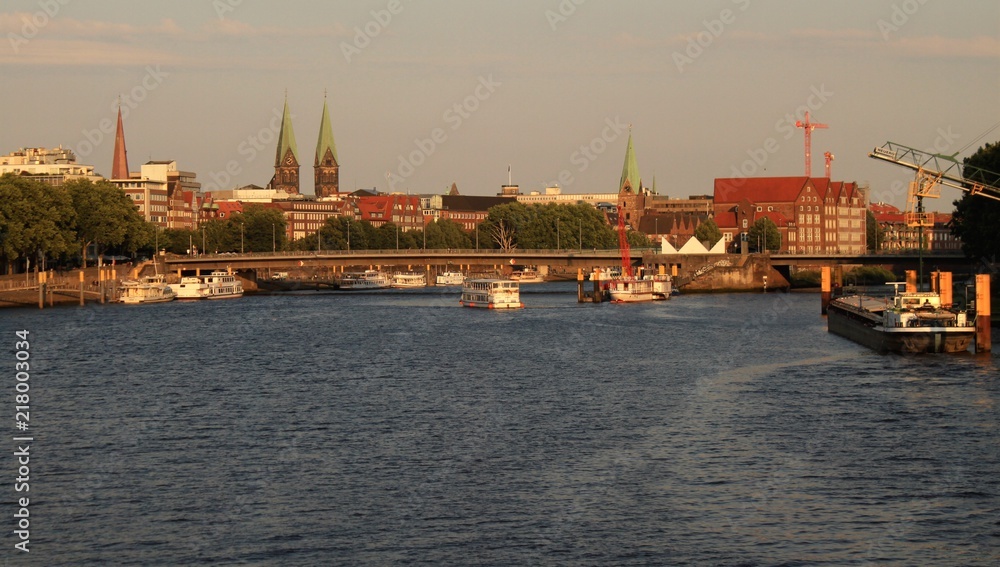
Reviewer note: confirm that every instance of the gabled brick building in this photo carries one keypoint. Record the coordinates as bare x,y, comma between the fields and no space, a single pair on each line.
813,215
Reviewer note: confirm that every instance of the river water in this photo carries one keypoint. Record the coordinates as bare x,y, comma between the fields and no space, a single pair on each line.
398,428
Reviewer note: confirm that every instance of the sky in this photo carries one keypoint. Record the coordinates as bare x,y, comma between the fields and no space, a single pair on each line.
426,94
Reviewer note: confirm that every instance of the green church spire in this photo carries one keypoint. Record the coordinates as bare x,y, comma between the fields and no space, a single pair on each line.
325,137
286,138
630,170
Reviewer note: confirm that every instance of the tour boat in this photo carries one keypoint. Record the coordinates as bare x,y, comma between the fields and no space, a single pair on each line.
150,289
656,287
223,285
409,279
527,275
217,285
913,322
368,279
450,278
491,294
630,290
190,287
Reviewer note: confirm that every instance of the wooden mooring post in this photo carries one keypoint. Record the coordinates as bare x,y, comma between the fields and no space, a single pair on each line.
41,290
824,289
983,313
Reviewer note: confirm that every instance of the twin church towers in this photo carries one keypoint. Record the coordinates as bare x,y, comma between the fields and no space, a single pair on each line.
326,169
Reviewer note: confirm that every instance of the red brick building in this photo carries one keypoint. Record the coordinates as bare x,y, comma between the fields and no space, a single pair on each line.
814,215
897,236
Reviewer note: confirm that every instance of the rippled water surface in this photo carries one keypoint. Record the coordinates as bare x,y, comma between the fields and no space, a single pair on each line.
399,428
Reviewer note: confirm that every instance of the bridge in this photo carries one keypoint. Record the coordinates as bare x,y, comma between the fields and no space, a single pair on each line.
566,262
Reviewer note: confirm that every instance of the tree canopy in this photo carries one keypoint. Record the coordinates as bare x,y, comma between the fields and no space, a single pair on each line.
764,233
105,216
708,231
976,218
576,226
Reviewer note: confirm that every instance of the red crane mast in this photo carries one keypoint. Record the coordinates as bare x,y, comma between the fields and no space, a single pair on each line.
623,246
809,127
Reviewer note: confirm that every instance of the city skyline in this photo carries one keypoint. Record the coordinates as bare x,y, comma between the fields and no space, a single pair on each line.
424,95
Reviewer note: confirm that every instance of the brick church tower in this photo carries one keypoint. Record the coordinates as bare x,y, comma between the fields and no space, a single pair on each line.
631,200
286,160
326,168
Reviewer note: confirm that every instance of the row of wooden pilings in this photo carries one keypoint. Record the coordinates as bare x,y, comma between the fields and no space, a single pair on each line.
941,283
107,279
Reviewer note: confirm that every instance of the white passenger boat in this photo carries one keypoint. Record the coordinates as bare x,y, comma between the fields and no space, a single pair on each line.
368,279
217,285
223,285
450,278
491,294
150,289
630,290
409,279
190,287
527,275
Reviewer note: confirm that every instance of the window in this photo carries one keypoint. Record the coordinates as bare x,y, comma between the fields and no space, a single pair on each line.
744,223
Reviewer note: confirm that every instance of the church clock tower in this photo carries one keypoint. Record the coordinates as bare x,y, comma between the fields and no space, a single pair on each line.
326,167
286,160
631,201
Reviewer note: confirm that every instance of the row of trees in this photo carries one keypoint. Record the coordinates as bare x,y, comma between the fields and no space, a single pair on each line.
40,222
507,226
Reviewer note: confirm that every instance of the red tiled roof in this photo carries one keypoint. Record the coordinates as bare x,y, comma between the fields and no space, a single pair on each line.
725,219
882,208
776,217
760,189
229,207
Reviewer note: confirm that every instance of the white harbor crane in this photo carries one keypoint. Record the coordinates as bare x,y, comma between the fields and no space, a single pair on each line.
932,171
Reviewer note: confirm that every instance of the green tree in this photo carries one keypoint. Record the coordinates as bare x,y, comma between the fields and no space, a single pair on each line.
446,233
638,239
709,232
976,218
874,232
105,217
37,220
263,228
764,233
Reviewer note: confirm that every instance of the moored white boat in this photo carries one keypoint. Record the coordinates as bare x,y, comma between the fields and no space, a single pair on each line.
409,280
450,278
223,285
150,289
527,275
368,279
190,287
630,290
217,285
491,294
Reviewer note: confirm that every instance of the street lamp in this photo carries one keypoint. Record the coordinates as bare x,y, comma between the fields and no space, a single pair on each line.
397,237
241,238
274,242
581,235
557,235
348,235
